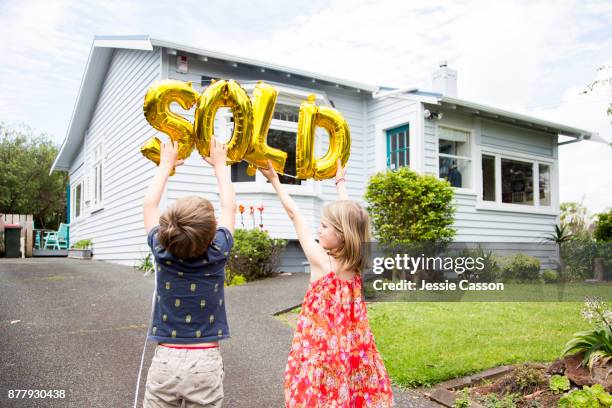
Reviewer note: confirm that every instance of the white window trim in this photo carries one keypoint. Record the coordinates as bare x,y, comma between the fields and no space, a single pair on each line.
97,206
73,197
473,151
535,160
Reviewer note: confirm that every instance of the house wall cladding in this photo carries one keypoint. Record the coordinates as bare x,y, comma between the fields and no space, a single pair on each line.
118,123
515,230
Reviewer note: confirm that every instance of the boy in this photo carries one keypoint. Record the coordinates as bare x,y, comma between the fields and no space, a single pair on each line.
189,319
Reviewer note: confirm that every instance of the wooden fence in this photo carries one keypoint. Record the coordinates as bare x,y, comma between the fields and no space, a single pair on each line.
27,227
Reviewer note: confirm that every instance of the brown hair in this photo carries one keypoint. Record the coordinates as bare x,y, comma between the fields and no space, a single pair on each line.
353,224
187,227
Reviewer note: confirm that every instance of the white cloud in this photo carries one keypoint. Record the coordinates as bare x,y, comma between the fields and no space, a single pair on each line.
585,167
518,55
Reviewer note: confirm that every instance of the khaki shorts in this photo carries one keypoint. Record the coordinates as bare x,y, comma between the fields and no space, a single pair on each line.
185,378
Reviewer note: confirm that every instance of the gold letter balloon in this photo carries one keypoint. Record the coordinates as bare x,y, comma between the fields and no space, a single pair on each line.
311,117
264,99
157,112
252,119
228,94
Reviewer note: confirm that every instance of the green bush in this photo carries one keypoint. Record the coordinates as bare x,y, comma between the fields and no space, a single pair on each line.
596,343
463,399
577,255
550,276
494,401
490,271
237,280
519,268
603,227
408,208
558,384
82,244
146,264
588,397
254,256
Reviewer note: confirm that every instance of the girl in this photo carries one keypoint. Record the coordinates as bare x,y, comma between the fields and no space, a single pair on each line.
333,360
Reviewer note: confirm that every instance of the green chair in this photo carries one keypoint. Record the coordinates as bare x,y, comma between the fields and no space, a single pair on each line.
57,239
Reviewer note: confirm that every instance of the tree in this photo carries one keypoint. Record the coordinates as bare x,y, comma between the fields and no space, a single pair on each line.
605,81
575,216
25,184
603,228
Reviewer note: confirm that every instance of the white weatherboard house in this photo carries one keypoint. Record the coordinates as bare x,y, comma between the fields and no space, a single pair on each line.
504,166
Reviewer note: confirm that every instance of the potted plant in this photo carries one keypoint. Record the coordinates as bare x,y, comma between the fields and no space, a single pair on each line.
81,249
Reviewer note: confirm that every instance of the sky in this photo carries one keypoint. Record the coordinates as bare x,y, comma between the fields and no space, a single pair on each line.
531,57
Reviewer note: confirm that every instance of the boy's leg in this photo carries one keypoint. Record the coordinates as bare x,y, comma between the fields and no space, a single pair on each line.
162,381
204,383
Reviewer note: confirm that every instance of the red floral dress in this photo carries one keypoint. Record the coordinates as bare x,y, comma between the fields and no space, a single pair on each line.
333,360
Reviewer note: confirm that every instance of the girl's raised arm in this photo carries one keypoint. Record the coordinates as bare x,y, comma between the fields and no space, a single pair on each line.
341,182
317,257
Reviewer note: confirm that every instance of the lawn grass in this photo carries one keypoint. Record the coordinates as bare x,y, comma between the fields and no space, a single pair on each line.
423,343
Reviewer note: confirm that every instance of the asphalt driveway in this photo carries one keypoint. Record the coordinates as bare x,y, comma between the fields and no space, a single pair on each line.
80,326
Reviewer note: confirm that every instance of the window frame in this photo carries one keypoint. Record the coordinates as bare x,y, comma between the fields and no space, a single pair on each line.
97,202
407,150
472,149
498,155
73,201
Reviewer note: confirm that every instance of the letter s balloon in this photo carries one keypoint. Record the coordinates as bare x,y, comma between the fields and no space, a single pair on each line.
157,112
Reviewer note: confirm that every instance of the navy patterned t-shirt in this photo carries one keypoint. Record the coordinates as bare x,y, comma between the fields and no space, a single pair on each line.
190,305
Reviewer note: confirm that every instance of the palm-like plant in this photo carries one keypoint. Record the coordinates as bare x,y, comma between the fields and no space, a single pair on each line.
560,235
597,342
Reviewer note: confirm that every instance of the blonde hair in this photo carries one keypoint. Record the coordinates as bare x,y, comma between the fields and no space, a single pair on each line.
353,224
187,227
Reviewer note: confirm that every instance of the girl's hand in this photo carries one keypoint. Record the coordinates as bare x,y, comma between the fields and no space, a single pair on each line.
269,173
168,157
340,172
218,153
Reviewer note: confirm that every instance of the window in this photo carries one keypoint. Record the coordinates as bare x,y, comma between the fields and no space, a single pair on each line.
398,152
517,180
285,141
488,178
544,172
454,156
97,196
77,198
281,135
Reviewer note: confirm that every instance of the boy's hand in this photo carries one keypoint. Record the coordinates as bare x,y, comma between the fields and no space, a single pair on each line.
218,153
168,156
269,173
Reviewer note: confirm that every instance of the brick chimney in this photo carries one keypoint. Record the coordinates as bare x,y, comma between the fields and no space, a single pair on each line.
445,80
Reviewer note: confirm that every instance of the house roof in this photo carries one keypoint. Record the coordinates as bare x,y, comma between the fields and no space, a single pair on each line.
99,59
101,52
490,112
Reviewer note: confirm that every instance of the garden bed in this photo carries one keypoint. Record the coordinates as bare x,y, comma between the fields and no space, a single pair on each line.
528,385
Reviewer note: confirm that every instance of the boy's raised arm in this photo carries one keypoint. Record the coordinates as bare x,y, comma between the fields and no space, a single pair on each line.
227,196
168,161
